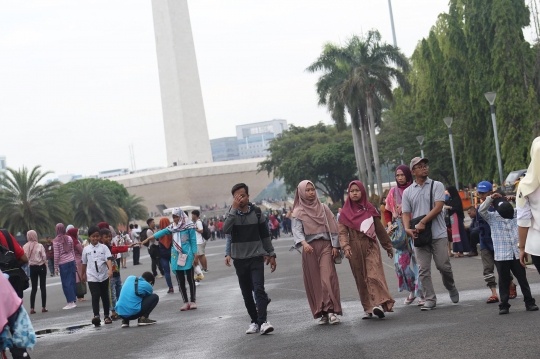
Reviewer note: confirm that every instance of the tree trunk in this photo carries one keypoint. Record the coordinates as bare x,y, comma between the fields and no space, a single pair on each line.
367,157
374,146
359,153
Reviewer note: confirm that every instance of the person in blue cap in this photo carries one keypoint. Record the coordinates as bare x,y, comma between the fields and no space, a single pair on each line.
483,190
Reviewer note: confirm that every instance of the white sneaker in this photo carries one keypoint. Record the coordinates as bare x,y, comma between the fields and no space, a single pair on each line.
253,328
324,320
378,311
70,306
367,315
159,277
197,284
266,328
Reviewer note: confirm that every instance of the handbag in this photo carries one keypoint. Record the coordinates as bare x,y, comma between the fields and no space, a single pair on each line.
338,259
399,236
425,237
81,289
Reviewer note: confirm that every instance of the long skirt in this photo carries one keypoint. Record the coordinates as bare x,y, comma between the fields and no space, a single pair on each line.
463,244
407,270
321,280
367,268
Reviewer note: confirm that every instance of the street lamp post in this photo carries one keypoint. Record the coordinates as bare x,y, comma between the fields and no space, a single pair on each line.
490,96
392,22
420,140
386,160
401,150
448,122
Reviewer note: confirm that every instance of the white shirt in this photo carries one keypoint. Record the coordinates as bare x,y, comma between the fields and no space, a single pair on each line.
200,239
95,258
529,217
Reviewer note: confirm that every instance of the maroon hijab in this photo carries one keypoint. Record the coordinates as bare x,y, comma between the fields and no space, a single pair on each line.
61,237
354,213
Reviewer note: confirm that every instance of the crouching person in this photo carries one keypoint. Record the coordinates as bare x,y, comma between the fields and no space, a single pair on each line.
137,300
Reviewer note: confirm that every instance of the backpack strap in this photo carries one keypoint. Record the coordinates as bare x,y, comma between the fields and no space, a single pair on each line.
258,212
9,242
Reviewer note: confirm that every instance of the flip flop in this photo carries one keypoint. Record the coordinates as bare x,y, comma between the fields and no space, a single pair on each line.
493,299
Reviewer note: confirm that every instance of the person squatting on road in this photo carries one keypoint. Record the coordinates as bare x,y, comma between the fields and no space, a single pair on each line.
315,229
251,247
137,300
359,227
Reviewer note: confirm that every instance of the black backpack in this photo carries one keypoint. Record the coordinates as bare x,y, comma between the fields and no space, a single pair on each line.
10,265
205,231
143,236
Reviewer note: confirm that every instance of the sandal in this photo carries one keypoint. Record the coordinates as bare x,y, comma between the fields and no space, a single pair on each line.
107,320
513,291
44,310
32,311
115,316
96,321
409,299
493,299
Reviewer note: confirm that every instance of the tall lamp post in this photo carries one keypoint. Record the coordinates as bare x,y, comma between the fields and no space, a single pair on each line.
401,150
386,160
392,22
490,96
420,140
448,123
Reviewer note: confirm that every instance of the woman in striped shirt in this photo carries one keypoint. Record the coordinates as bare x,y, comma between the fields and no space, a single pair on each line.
64,263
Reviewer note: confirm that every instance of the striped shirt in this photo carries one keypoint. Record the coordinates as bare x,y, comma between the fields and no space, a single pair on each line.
504,232
59,256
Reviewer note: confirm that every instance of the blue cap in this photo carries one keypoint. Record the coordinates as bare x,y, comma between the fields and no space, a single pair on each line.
484,187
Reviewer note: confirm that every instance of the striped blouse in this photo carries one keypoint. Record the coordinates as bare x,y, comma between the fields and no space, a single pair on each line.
59,256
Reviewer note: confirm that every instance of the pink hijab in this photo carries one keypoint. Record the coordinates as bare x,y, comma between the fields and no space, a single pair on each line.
312,213
9,301
359,215
32,238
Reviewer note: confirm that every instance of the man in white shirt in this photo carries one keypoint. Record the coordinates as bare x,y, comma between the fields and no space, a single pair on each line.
135,237
201,242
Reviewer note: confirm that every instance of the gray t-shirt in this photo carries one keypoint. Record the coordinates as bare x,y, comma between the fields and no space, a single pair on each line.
416,202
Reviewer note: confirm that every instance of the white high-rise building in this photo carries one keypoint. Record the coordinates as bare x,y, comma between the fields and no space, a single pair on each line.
186,133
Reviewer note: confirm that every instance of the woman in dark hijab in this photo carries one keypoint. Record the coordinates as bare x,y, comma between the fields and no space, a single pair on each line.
459,235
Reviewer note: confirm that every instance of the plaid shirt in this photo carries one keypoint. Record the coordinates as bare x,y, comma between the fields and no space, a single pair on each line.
504,232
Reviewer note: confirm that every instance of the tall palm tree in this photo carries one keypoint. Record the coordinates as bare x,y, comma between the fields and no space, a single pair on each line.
133,208
93,203
26,204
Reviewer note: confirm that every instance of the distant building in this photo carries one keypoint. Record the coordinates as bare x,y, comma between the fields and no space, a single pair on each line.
225,149
113,173
254,138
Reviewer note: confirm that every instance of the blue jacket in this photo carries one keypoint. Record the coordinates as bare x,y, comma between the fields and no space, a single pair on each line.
485,231
188,240
129,303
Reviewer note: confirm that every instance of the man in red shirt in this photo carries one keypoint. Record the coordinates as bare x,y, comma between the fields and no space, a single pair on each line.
19,252
220,228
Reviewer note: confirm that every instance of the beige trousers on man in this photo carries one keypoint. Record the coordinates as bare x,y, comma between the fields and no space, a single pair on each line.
437,250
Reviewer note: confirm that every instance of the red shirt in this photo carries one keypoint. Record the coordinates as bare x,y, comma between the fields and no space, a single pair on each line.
19,252
220,226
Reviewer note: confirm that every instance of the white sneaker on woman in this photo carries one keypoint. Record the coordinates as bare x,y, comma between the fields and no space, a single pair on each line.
253,328
323,320
266,328
378,311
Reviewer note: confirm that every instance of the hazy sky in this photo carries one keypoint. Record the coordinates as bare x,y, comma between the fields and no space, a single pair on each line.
79,79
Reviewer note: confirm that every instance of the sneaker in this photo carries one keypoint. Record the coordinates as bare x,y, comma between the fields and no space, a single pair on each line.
125,323
429,305
197,283
367,315
70,306
185,307
253,328
171,290
378,311
531,308
145,321
205,271
192,306
324,320
159,277
454,295
504,311
266,328
96,321
334,319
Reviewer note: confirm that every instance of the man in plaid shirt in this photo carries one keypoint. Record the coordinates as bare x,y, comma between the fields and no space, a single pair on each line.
504,232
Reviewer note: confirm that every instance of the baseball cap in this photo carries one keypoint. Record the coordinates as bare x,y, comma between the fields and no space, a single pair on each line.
504,208
484,187
417,160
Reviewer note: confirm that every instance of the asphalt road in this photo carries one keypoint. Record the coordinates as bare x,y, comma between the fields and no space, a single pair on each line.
470,329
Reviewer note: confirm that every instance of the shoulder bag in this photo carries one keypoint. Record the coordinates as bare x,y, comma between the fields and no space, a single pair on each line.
80,287
182,257
339,258
425,237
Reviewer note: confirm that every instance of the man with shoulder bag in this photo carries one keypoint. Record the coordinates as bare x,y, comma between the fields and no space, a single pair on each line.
423,220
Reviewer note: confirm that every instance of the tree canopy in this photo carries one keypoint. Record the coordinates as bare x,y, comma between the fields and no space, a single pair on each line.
318,153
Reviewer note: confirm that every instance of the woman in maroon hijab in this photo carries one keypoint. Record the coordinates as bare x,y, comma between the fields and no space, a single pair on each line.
359,227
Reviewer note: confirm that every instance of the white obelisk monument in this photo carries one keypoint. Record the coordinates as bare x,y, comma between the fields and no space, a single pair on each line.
186,133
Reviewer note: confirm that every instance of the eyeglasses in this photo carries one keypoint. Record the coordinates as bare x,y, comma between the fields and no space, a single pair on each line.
425,167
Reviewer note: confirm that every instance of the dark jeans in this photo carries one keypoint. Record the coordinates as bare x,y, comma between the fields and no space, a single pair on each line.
156,264
180,277
51,265
504,268
166,265
38,272
474,239
136,255
100,290
250,274
147,306
67,276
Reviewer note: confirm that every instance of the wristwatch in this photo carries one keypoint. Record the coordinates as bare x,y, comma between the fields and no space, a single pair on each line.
521,247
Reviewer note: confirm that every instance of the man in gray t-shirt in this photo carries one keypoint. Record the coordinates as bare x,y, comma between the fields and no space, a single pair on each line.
416,203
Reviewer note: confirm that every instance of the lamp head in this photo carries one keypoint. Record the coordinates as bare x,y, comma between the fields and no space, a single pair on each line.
401,150
490,96
420,139
448,121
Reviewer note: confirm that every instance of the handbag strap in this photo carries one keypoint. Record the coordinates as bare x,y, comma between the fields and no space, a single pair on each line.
431,196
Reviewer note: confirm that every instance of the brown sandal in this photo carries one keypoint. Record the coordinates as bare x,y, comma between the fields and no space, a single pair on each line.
493,299
107,320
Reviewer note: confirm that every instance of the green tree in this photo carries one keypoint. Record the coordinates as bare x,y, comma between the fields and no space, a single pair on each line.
94,201
318,153
26,204
132,207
